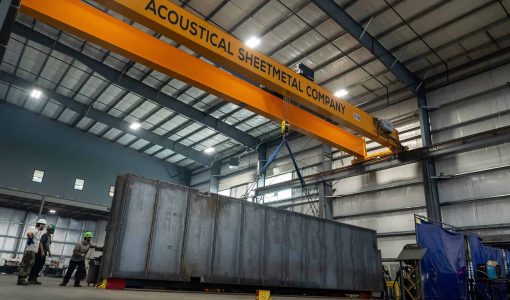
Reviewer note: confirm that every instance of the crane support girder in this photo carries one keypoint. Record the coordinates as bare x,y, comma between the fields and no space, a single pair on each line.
106,31
182,26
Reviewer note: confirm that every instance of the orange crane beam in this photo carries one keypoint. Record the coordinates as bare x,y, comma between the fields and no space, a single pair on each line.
215,44
93,25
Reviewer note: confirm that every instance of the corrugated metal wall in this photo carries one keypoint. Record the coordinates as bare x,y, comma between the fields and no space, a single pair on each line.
474,194
475,191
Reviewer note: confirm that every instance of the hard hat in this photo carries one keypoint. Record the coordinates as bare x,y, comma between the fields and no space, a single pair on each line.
51,227
88,234
41,221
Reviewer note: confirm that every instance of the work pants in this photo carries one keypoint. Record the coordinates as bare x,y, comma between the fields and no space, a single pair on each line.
26,264
80,274
37,267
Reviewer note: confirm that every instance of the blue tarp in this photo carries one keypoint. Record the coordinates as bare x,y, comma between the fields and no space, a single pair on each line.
478,255
508,263
494,254
448,251
443,267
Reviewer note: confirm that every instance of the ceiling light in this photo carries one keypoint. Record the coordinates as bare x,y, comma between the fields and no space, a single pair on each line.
52,211
135,126
36,94
341,93
252,42
209,150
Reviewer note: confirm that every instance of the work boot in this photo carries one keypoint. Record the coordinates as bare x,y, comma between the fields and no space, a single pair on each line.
62,284
22,282
33,281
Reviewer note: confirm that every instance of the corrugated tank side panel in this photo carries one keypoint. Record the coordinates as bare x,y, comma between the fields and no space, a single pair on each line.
163,231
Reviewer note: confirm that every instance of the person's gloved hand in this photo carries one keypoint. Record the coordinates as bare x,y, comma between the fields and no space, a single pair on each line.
30,241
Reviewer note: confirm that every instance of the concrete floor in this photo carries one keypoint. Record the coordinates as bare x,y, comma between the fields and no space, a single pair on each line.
49,290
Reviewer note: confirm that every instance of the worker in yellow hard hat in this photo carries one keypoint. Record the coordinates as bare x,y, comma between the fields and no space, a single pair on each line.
78,259
32,247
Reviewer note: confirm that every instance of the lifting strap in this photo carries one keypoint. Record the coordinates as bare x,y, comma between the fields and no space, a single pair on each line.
272,157
301,180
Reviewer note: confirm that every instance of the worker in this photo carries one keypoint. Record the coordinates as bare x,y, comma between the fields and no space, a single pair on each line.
386,282
40,257
32,247
78,259
491,267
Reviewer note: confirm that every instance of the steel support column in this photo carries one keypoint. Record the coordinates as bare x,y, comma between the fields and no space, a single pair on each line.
41,207
411,81
325,202
214,183
21,234
428,167
325,187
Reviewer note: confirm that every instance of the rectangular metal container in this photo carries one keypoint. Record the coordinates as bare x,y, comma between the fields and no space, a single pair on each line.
167,232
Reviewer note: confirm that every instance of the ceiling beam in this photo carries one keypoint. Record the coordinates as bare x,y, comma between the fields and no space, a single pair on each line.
8,11
415,39
410,81
107,119
119,78
342,18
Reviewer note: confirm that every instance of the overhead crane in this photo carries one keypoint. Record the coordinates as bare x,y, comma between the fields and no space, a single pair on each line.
164,17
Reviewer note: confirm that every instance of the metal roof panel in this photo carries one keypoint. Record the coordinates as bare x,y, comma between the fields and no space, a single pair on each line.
174,122
16,96
140,143
175,158
3,90
84,123
51,110
204,7
163,154
126,139
68,116
35,105
97,128
229,15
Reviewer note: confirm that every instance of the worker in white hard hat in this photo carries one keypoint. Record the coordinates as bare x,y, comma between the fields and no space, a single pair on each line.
40,256
33,246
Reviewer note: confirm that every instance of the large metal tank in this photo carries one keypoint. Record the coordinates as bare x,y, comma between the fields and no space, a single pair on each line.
167,232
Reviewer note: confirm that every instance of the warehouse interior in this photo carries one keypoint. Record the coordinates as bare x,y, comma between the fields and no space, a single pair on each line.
426,149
